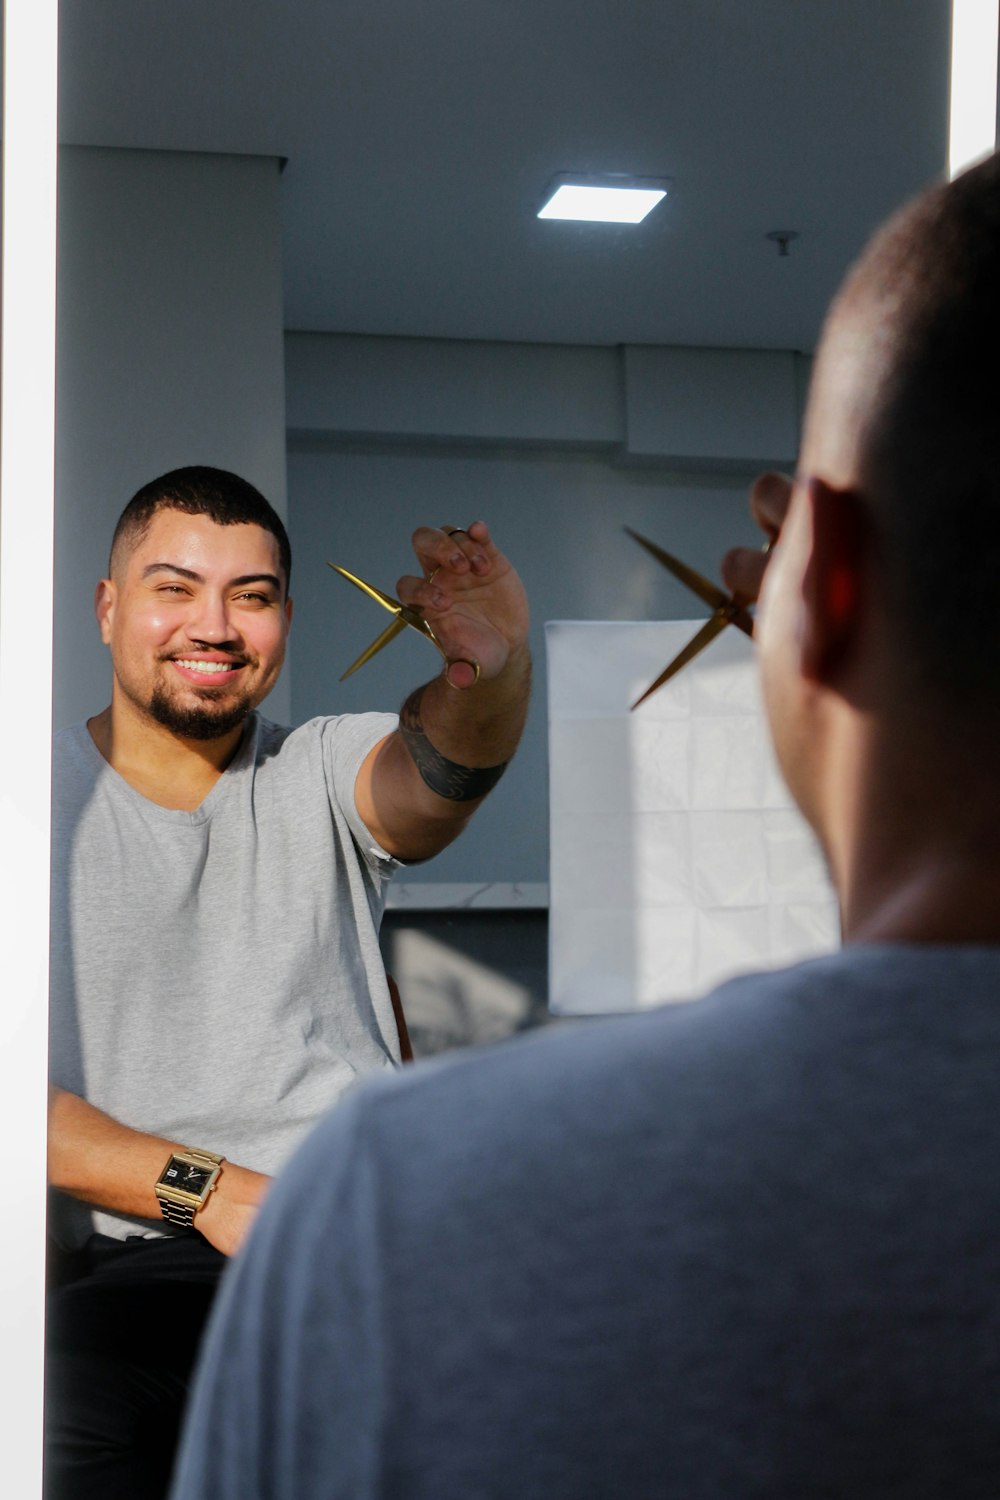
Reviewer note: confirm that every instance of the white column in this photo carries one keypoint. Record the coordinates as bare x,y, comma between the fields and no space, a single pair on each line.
26,488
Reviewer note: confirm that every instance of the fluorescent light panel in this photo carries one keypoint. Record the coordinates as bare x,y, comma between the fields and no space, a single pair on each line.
973,123
603,200
26,485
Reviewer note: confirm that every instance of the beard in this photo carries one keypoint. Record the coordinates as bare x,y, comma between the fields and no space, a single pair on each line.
203,721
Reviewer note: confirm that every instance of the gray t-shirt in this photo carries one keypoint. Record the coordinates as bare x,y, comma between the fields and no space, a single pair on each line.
216,975
745,1249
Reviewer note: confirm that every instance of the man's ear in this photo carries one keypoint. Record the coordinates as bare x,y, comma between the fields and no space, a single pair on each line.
104,608
833,591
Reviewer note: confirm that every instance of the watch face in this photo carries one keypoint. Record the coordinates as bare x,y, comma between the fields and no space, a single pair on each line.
187,1177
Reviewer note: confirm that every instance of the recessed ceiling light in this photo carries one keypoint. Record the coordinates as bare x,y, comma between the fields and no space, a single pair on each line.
610,199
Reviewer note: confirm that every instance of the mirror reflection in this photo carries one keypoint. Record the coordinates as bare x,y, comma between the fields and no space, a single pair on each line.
301,243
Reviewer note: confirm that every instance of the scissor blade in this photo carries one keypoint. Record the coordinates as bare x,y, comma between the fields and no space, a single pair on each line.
386,600
709,592
706,634
389,634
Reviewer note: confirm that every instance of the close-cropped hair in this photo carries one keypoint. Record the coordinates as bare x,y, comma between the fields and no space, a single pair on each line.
223,497
930,286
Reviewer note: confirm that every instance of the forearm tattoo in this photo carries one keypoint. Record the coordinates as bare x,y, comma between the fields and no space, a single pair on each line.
443,776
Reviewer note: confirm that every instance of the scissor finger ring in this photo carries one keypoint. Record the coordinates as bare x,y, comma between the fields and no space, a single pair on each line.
454,661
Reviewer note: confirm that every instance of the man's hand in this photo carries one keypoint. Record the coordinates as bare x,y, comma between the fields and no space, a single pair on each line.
226,1218
743,567
471,597
417,789
97,1159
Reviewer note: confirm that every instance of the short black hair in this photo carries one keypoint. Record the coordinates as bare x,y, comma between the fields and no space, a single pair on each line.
199,490
926,295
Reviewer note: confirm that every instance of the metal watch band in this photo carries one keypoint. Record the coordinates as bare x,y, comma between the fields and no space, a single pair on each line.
176,1213
182,1214
200,1155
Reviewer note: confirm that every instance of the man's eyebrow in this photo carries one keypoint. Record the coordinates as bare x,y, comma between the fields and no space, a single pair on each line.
169,567
238,583
234,583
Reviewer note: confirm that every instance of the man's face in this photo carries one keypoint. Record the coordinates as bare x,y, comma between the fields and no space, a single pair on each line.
197,623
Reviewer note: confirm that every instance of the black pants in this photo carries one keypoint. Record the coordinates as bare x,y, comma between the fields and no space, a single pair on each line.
124,1322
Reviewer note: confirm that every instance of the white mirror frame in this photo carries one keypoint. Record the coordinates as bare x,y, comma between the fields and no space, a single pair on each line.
972,123
27,447
27,442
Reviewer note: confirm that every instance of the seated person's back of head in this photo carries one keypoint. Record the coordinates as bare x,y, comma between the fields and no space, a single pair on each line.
745,1247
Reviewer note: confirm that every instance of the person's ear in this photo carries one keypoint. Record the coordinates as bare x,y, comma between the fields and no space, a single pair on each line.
104,608
833,591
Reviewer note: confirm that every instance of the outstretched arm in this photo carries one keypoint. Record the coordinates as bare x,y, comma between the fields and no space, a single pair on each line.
93,1157
418,788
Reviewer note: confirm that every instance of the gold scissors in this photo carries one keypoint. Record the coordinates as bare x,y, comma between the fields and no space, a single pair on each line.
404,616
727,611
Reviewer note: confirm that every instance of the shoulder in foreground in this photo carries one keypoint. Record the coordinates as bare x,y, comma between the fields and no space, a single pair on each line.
578,1074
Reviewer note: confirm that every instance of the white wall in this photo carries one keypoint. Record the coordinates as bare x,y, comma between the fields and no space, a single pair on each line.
557,448
169,353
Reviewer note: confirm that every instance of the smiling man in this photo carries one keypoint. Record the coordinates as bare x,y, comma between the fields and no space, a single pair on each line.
197,616
218,884
152,601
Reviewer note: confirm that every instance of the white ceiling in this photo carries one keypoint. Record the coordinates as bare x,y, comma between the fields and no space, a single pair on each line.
419,135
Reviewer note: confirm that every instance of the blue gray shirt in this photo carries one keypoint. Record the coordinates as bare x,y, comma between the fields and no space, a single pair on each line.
742,1248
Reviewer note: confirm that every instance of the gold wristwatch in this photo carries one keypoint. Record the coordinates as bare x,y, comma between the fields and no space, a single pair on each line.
185,1183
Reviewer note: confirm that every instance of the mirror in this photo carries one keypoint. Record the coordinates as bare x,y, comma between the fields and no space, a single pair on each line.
331,209
300,241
